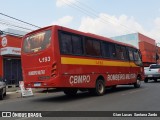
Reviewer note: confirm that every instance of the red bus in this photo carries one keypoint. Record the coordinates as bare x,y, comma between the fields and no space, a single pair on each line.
70,60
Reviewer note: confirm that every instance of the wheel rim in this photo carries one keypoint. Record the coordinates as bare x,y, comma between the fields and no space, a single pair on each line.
100,87
138,82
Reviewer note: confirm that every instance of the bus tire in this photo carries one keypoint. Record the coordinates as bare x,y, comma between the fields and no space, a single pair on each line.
100,87
137,84
70,91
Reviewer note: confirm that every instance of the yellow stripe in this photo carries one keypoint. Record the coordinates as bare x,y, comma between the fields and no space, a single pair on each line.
80,61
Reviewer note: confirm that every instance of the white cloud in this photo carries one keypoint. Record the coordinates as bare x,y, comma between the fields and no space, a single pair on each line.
155,31
110,26
63,21
60,3
157,23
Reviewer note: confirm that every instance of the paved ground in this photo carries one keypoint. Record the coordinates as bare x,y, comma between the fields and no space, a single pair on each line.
124,98
15,93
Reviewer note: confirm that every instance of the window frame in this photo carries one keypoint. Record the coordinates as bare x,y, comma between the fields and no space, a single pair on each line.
60,32
92,39
103,46
135,60
44,41
123,51
102,43
81,45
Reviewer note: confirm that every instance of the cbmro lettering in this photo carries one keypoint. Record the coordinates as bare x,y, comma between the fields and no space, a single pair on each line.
79,79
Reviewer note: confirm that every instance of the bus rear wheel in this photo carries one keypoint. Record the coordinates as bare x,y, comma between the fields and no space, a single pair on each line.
100,87
70,91
137,84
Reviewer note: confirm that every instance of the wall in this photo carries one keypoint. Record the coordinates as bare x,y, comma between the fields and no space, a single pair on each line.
10,46
147,47
144,38
148,52
12,41
129,39
158,53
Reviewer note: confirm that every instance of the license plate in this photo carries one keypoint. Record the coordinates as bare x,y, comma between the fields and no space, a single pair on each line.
150,75
37,84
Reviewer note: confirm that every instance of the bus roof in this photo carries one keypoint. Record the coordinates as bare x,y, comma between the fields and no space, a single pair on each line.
82,33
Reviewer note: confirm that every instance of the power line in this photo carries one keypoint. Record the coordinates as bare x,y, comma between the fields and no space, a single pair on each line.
6,23
92,13
4,32
9,24
19,20
107,17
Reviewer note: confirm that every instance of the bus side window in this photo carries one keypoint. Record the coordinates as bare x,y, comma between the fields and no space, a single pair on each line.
92,47
65,43
96,48
105,49
112,50
88,47
131,55
121,52
77,45
118,52
123,49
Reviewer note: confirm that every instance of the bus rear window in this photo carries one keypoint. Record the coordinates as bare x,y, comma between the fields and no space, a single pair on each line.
37,42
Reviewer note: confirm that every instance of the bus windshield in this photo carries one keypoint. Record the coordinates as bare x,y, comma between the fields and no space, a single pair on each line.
37,42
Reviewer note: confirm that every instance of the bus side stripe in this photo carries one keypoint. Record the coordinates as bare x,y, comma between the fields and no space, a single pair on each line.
81,61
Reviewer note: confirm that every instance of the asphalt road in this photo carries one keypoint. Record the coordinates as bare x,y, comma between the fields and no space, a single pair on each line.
124,98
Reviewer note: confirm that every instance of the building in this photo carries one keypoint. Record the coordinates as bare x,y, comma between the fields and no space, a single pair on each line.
158,53
146,45
10,56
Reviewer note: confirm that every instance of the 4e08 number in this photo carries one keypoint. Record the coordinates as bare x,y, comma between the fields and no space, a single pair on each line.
45,59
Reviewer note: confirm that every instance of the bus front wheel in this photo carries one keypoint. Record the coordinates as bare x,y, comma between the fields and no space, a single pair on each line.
70,91
137,84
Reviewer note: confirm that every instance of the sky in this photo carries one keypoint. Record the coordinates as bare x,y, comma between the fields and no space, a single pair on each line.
103,17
